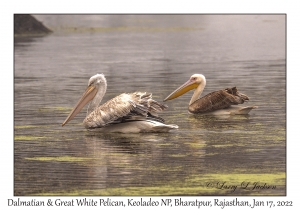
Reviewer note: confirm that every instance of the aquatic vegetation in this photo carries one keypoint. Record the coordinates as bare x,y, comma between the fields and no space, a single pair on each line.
61,159
27,126
28,138
204,184
53,109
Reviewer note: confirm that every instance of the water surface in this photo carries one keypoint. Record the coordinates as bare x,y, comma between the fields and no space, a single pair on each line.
154,53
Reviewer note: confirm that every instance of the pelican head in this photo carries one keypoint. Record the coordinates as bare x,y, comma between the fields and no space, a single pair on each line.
96,83
194,81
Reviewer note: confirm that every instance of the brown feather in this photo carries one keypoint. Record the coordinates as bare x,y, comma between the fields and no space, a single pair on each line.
220,99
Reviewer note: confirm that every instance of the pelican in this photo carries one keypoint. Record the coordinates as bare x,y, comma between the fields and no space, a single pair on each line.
126,113
217,102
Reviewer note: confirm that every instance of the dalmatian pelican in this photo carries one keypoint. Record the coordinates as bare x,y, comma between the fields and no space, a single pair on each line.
126,113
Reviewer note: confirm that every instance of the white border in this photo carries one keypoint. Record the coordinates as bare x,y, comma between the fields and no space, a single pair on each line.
8,8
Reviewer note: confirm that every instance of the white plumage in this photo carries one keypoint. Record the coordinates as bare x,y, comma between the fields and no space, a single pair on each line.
127,113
